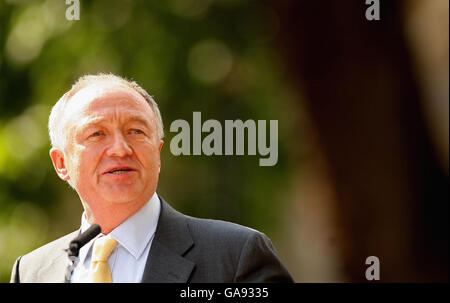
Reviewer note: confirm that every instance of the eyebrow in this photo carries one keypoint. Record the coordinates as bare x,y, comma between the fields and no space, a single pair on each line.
139,119
91,122
87,123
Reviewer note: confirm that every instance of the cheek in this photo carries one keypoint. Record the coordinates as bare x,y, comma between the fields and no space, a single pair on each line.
83,160
149,153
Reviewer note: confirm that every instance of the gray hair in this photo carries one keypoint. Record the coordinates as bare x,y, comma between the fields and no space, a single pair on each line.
54,121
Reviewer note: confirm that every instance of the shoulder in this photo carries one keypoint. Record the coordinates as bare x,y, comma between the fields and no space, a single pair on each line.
27,267
218,230
55,247
210,232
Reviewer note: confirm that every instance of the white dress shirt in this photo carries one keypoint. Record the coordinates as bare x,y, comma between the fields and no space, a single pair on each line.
134,236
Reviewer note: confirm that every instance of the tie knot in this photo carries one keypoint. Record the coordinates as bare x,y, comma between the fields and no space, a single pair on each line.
103,248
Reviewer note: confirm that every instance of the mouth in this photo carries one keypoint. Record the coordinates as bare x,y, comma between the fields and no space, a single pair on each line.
119,170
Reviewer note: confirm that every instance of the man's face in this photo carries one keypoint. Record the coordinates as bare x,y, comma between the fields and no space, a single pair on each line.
112,154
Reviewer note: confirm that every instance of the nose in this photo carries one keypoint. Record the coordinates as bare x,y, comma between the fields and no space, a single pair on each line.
119,147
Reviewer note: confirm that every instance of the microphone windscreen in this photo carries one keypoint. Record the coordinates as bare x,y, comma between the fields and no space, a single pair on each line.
87,236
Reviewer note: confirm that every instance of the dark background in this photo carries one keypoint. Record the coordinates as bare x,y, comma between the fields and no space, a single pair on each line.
362,109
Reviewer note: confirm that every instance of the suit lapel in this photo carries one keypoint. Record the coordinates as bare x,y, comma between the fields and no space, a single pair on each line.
165,261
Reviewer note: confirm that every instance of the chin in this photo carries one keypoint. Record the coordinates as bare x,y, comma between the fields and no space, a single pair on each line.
120,199
121,193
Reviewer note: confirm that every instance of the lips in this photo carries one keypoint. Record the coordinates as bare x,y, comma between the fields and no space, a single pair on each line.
118,170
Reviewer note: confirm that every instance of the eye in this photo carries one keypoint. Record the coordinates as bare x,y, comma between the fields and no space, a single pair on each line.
96,134
136,131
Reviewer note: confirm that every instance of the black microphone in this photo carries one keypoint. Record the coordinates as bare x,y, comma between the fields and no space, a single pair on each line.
82,239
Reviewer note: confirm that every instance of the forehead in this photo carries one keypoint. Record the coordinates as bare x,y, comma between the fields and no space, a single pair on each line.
99,100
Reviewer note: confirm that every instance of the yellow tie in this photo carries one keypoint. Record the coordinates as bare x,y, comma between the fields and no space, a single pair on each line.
103,248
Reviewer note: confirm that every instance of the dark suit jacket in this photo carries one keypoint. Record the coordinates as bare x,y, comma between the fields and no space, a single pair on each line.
185,249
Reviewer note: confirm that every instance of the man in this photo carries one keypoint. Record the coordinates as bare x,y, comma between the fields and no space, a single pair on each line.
106,135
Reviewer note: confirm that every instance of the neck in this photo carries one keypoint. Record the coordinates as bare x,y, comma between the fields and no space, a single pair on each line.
110,215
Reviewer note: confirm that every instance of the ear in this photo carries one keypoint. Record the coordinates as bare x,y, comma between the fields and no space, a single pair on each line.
57,157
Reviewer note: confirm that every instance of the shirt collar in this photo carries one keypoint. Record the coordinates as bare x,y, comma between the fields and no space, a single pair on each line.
134,233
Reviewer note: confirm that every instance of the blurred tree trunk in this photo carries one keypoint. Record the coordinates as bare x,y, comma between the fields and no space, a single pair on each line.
361,92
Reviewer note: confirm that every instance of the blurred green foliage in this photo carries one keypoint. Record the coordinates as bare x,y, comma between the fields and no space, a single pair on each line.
213,56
